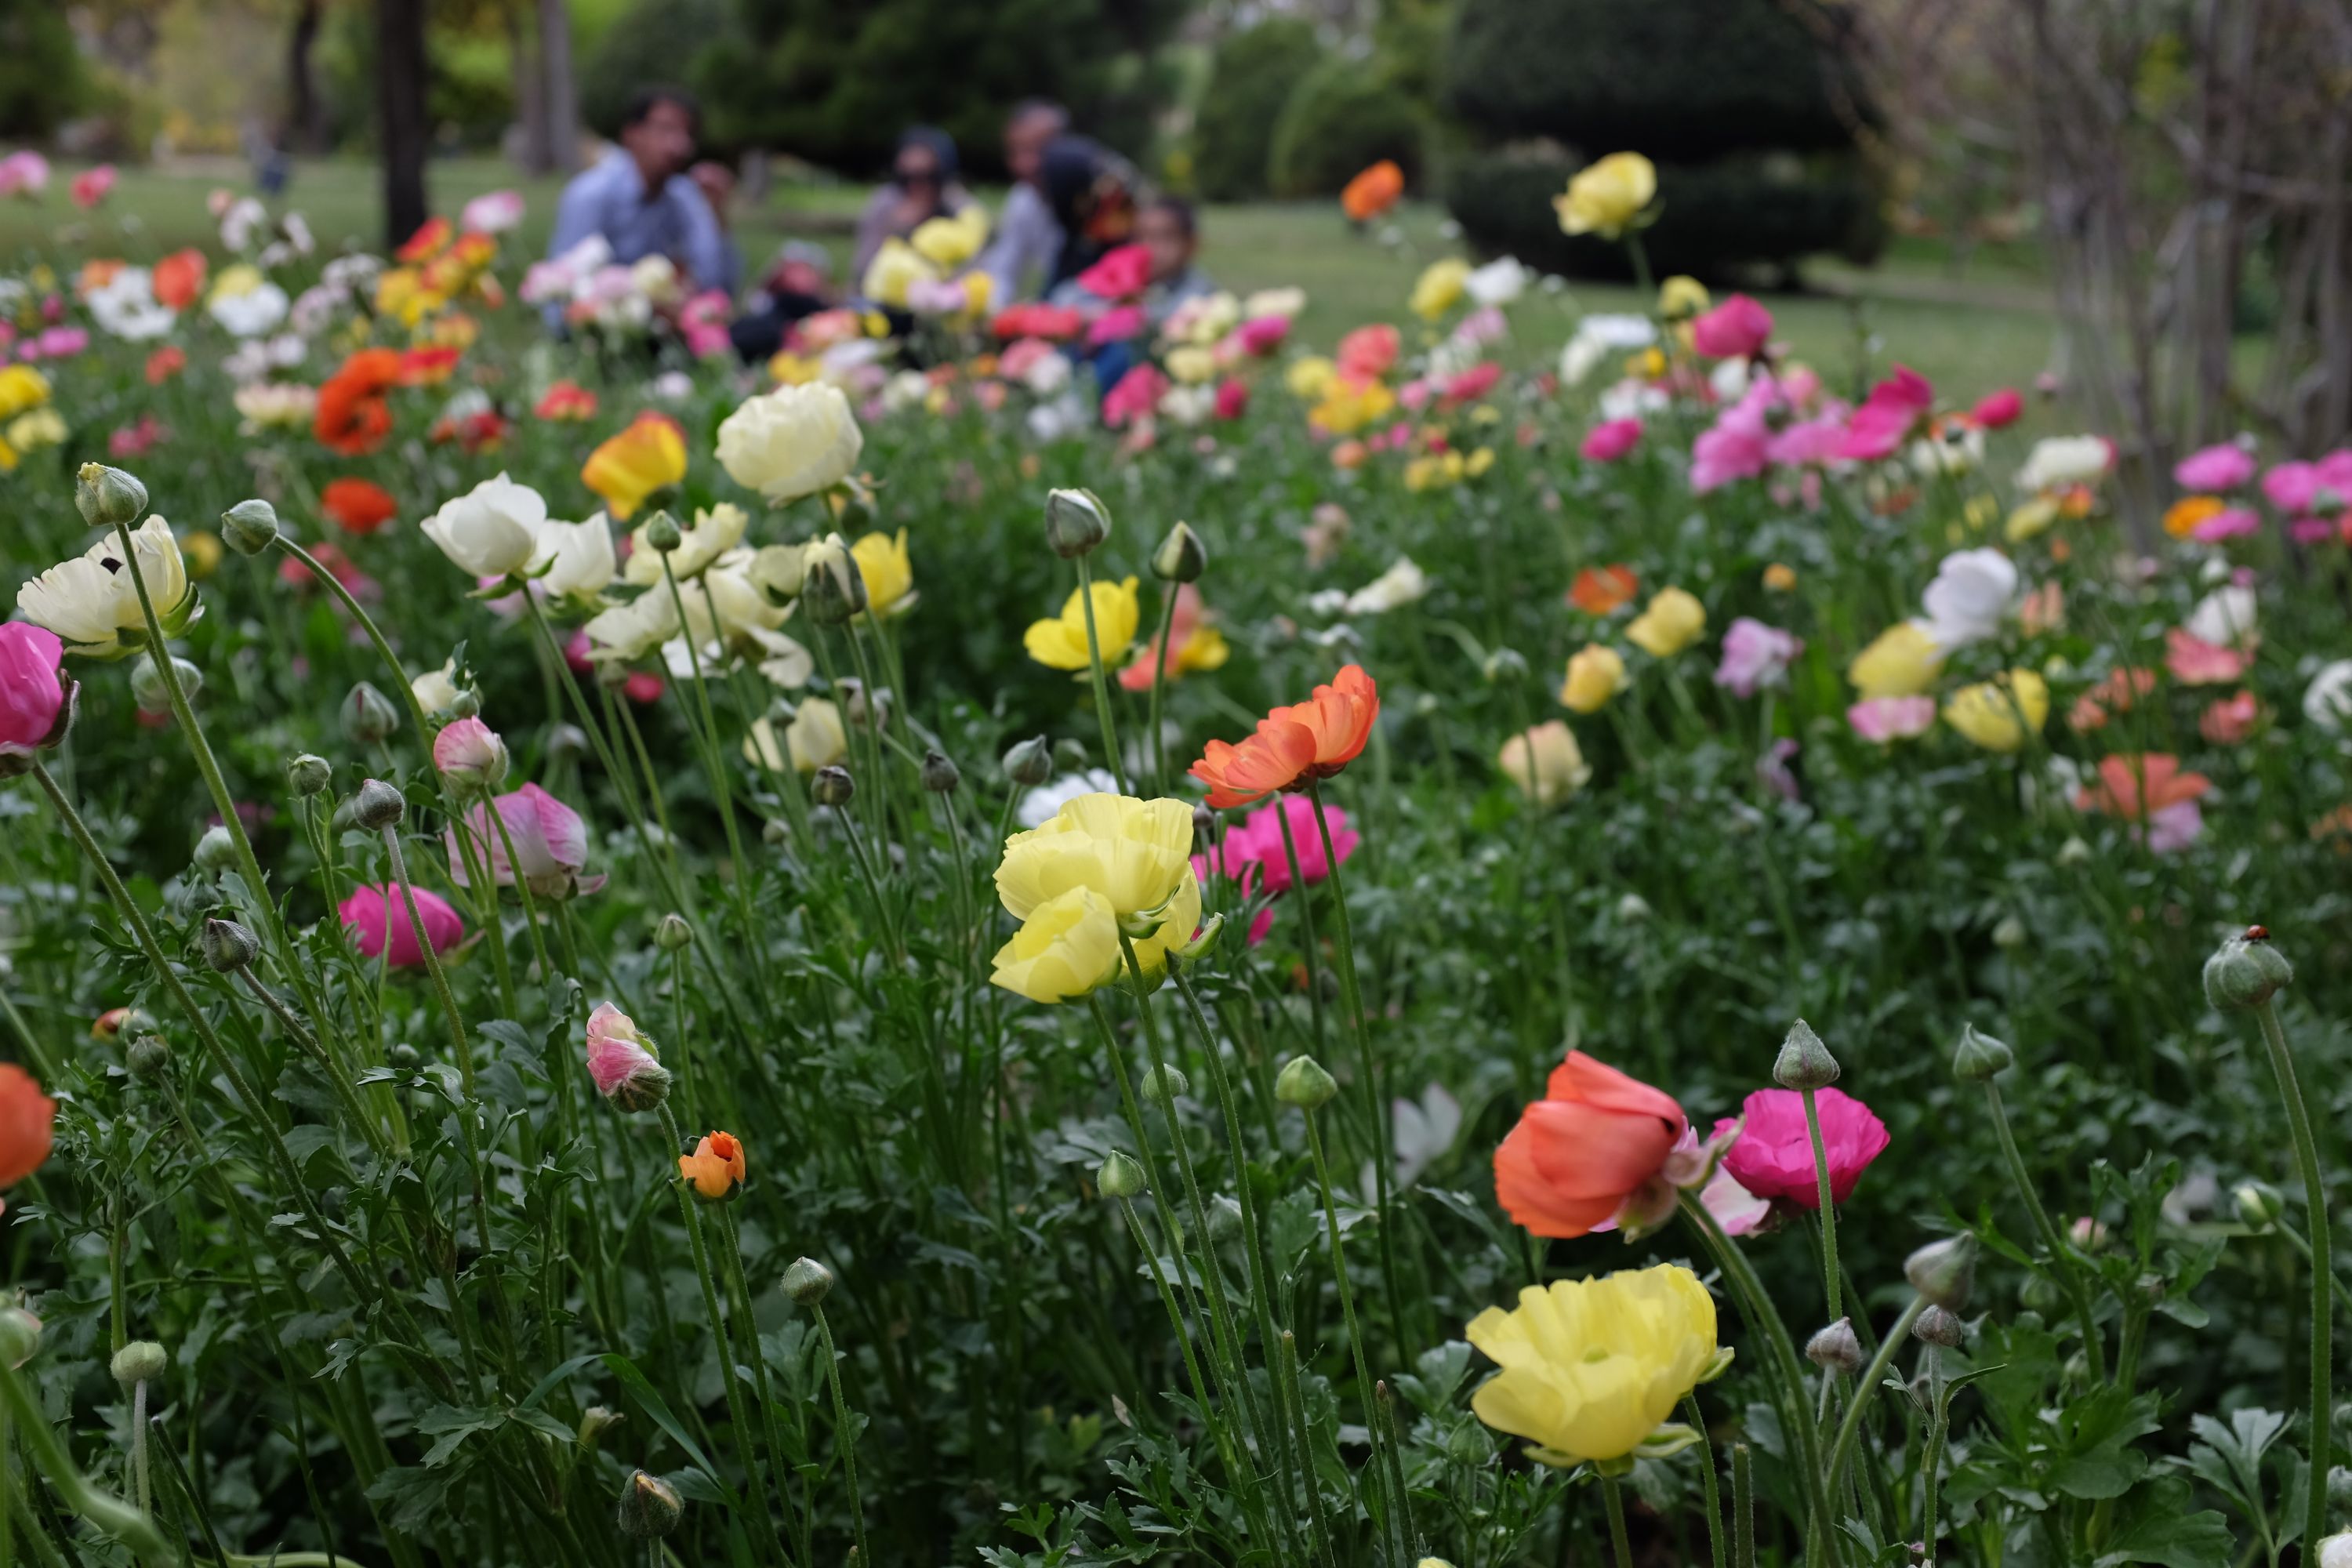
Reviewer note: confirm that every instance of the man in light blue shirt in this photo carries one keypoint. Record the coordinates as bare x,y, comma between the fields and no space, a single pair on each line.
641,199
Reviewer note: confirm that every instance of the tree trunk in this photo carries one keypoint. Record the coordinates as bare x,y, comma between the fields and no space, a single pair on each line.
305,118
560,101
400,86
532,151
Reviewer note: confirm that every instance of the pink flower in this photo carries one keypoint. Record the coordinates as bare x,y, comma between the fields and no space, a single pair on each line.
1882,719
622,1061
2196,662
1809,441
1755,656
2234,523
379,914
492,212
1121,274
1474,383
1997,410
1774,1155
2174,827
1115,326
32,687
1261,335
24,173
2221,467
1608,441
1254,855
1233,399
55,343
2310,529
1884,420
550,845
135,440
1369,352
470,753
1138,392
2325,486
91,186
1023,355
1736,329
1772,770
1738,445
2228,721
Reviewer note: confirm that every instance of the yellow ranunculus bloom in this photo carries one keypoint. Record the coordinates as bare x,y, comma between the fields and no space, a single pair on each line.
1592,1367
1193,365
1595,674
1546,762
32,431
1668,624
947,243
1063,950
648,455
1477,464
813,739
1060,642
1308,379
1606,197
1440,288
21,387
889,575
235,281
895,268
1998,714
1779,578
1903,662
1348,405
1133,858
2031,520
1681,297
1436,468
789,369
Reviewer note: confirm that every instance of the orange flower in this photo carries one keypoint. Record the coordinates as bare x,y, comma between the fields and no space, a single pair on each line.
358,506
1604,589
2181,517
2137,786
1373,192
352,417
429,366
96,273
427,241
179,278
567,400
1594,1140
1340,716
629,467
165,364
27,1117
716,1166
1295,745
2114,694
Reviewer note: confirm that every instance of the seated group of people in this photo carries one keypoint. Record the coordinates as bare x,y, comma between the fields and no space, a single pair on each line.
1072,201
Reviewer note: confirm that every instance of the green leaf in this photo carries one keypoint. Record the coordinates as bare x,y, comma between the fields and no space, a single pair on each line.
633,1380
2154,1524
2094,1457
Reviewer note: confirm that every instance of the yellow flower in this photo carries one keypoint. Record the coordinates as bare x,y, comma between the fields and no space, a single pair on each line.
1592,1367
1436,468
1193,365
1479,461
1903,662
1440,287
647,455
1348,405
1546,762
1068,947
889,575
1607,196
1668,624
789,369
2035,517
947,243
32,431
1595,674
1647,365
204,550
1131,859
1060,642
1779,578
895,268
21,387
1680,299
235,281
1998,714
1308,379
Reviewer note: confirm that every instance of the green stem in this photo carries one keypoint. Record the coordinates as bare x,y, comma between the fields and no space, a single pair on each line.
2323,1317
1743,1509
1615,1503
1828,1208
2061,1260
1347,1303
1112,758
1866,1385
1158,682
107,1513
844,1436
1707,1474
715,763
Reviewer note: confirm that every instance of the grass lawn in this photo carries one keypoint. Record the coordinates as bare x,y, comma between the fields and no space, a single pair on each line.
1991,329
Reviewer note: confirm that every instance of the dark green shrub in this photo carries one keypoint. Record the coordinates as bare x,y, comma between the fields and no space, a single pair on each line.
42,83
652,41
1341,117
1251,77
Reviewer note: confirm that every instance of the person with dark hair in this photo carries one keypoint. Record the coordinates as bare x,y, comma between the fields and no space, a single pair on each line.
1091,193
1027,240
641,199
924,185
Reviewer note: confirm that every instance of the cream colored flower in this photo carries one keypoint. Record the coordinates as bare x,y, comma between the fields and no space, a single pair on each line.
493,530
792,442
575,560
700,543
90,601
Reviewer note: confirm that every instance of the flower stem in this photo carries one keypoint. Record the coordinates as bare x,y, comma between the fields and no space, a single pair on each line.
1614,1502
1743,1509
1347,1311
1867,1384
1158,683
1828,1208
1112,758
1697,1419
715,763
2061,1261
2315,1196
844,1436
107,1513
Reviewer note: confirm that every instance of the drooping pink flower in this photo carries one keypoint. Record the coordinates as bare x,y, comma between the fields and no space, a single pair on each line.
2220,468
378,915
1755,656
1115,326
622,1061
469,752
1609,440
1138,392
32,687
550,845
2231,522
1774,1155
2196,662
1882,719
1885,421
91,186
1369,352
1997,410
1736,329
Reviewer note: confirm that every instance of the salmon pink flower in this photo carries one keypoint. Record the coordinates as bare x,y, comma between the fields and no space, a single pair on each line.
2196,662
2228,721
92,186
566,399
1773,1157
1372,191
2219,467
1369,353
716,1167
377,916
27,1120
1295,745
1882,719
2137,786
1577,1156
165,364
2117,692
1609,440
1736,329
622,1061
178,280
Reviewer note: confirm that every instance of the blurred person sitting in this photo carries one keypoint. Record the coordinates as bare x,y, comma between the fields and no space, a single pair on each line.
1091,193
1166,234
640,198
797,284
1019,259
924,185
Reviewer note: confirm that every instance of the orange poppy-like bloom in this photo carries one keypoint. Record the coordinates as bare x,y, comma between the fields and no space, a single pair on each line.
1293,746
352,417
716,1166
27,1117
1604,590
165,364
2135,787
428,366
358,506
566,400
1595,1141
2116,694
179,278
96,273
428,240
1373,192
629,467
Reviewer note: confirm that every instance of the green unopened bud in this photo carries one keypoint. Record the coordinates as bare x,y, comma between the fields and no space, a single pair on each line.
662,534
229,946
367,715
1938,1326
2010,933
595,1422
650,1507
1836,1348
1163,1084
378,806
941,775
807,1281
216,851
147,1055
109,497
2074,851
2246,971
673,933
833,585
1505,666
2041,1293
832,786
1031,762
147,688
249,527
2260,1207
140,1361
307,774
1077,522
1804,1061
1978,1057
1182,557
1303,1083
1944,1272
1118,1176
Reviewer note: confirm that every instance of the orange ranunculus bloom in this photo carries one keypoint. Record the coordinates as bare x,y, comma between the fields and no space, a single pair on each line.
2181,517
1340,716
566,400
428,366
96,273
1373,192
1295,745
165,364
358,506
1604,590
352,417
27,1120
1595,1140
2135,787
629,467
2116,694
179,278
427,241
716,1166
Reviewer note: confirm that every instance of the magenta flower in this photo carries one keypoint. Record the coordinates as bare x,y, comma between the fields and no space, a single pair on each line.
2325,486
1774,1155
622,1061
1736,329
1756,656
32,687
1809,441
2235,523
1135,395
2221,467
1261,335
1252,853
1608,441
1997,410
378,914
1884,420
550,845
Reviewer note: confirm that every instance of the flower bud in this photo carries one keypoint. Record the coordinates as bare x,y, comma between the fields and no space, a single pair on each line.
369,715
1303,1083
1182,557
249,527
941,775
307,774
2039,1293
2246,971
1030,764
1633,909
662,534
1804,1062
140,1361
1836,1348
1978,1057
20,1335
470,755
216,851
2336,1552
2259,1204
673,933
831,585
1163,1084
566,741
1076,521
807,1281
650,1507
1118,1176
1505,665
147,1055
2074,851
1944,1272
832,786
109,497
2010,933
378,806
1938,1326
147,688
229,946
595,1422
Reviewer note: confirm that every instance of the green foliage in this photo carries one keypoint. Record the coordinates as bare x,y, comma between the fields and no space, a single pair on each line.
1341,117
1252,77
652,41
42,80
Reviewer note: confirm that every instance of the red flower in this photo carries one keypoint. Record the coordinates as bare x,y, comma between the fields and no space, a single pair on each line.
28,1119
1233,399
358,506
428,240
165,364
567,400
352,417
1600,591
178,278
1594,1140
1120,274
1052,322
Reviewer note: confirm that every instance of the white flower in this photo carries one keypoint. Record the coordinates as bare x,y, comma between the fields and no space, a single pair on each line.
1423,1131
792,442
1047,374
2336,1552
297,230
783,661
1042,804
437,690
268,405
1063,416
2327,700
631,631
1327,602
1500,282
257,358
574,560
316,307
493,530
1630,399
2060,460
2224,618
1972,594
1189,404
1957,450
358,272
1399,586
905,390
1729,379
493,212
126,307
712,534
248,315
671,386
91,599
1283,302
245,217
1596,338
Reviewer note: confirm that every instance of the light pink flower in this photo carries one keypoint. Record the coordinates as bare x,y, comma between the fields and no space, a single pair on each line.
550,845
1138,392
1809,441
2173,827
2220,468
469,752
24,173
492,212
1774,1155
1756,656
1609,440
1368,353
1738,444
32,687
1736,329
2228,721
378,915
2196,662
622,1061
1773,772
1882,719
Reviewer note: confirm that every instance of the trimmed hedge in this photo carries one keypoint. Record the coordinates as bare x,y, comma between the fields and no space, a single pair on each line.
1342,117
1251,77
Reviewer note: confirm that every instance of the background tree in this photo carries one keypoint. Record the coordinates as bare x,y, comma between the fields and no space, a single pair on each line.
1252,75
42,83
400,82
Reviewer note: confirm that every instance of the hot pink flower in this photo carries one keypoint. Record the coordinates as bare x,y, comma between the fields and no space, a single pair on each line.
622,1061
2220,468
1736,329
91,185
1261,335
378,914
2197,662
550,845
1809,441
1884,420
1116,326
1883,719
1755,656
1258,838
1121,274
2235,522
1774,1155
1997,410
1474,383
2325,486
1233,399
1612,440
1369,352
1138,392
32,687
